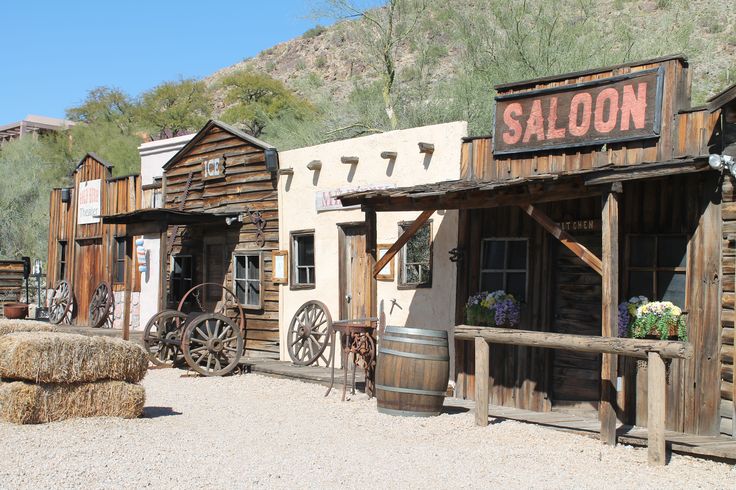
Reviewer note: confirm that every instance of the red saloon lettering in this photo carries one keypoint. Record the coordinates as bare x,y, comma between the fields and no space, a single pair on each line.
589,114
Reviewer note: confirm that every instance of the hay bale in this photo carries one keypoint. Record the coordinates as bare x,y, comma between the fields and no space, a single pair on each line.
12,326
27,403
51,357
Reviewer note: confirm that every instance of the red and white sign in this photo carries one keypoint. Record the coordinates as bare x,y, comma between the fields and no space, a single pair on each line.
89,202
621,108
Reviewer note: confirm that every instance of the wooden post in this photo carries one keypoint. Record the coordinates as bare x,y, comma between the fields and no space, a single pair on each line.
482,375
657,388
163,257
609,316
371,241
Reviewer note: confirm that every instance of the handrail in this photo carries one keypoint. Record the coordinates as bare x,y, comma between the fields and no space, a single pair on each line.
654,351
638,348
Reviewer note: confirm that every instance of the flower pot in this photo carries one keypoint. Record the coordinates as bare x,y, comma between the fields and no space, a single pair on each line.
15,311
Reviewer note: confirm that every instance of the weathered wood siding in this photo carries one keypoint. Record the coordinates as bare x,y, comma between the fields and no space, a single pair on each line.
728,273
684,132
91,247
11,283
246,186
561,289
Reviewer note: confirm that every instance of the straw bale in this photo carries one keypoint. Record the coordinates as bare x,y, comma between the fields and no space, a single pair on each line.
27,403
51,357
12,326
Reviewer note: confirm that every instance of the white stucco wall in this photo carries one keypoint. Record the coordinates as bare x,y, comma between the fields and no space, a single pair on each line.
153,157
427,307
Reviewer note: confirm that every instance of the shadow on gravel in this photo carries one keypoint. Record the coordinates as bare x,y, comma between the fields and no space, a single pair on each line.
156,412
454,410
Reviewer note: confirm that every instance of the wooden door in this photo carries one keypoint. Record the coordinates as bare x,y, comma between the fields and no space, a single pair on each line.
88,272
577,310
215,269
355,273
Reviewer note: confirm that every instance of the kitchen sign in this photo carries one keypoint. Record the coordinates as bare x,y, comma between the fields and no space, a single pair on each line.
622,108
88,203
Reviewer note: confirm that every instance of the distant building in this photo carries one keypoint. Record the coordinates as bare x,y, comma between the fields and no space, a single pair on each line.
32,125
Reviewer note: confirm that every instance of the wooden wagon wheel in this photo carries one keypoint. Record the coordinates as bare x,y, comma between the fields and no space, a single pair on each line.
162,338
230,302
309,333
102,305
60,305
212,344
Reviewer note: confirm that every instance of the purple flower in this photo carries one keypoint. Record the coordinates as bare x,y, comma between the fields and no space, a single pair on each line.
623,319
507,313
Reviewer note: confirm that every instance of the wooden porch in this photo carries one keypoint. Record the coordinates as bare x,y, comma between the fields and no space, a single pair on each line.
719,447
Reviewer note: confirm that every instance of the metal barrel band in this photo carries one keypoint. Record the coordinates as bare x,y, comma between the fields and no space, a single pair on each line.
413,355
407,340
416,331
406,413
410,391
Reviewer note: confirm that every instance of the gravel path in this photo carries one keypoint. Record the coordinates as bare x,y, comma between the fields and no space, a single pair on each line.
253,431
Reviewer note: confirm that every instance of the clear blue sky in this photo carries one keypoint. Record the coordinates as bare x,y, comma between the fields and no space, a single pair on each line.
55,51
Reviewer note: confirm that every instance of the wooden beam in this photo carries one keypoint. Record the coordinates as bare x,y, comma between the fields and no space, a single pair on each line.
656,413
637,348
389,155
609,315
564,237
405,237
315,165
371,246
482,376
427,148
286,171
647,171
349,160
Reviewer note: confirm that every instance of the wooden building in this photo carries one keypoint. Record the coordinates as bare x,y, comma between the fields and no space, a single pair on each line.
85,252
218,225
11,283
594,187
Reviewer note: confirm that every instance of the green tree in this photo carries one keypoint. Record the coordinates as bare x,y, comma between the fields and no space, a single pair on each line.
174,108
254,100
105,105
24,198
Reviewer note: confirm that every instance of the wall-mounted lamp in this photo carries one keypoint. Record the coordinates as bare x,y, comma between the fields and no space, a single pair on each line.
722,162
232,219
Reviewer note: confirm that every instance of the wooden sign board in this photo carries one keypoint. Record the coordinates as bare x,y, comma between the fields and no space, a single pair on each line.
621,108
280,265
387,273
213,168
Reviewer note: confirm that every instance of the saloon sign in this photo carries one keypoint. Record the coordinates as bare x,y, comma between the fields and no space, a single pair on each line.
620,108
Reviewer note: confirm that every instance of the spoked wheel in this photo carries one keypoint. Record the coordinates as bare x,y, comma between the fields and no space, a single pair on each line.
162,338
212,344
228,302
308,334
60,306
101,306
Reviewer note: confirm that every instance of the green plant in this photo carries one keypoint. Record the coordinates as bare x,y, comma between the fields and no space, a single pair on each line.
659,318
314,31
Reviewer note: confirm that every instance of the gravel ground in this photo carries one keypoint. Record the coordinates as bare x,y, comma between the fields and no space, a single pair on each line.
254,431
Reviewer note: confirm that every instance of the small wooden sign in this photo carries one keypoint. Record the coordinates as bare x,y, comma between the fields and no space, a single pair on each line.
581,225
213,168
280,266
621,108
387,273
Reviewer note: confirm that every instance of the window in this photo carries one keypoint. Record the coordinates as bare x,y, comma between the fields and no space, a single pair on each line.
657,267
119,260
503,265
157,199
62,259
181,276
415,258
247,279
302,252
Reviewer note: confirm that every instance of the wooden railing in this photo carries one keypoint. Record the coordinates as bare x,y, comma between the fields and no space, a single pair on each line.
654,351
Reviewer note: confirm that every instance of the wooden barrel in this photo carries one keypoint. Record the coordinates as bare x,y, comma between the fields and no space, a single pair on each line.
412,371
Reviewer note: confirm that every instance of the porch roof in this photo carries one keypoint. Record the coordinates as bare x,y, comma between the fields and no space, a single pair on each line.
158,219
465,194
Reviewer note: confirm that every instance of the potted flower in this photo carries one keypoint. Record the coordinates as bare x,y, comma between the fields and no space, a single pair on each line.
640,318
494,309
